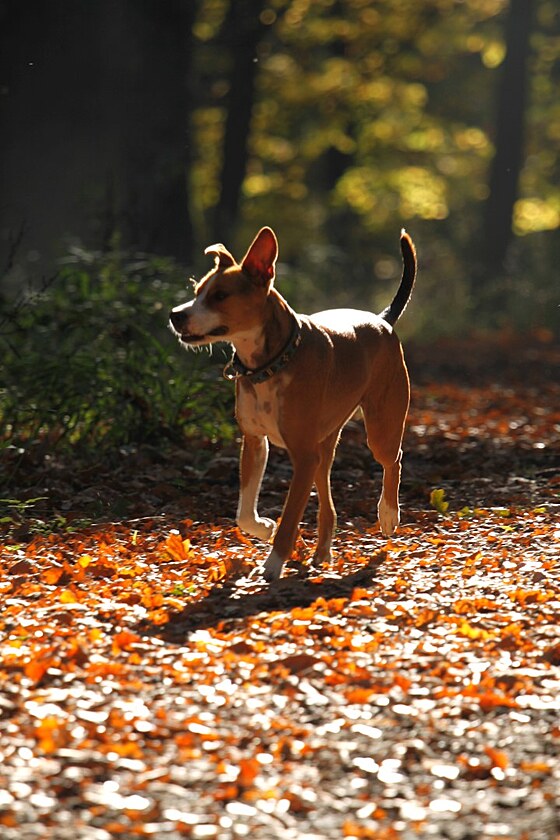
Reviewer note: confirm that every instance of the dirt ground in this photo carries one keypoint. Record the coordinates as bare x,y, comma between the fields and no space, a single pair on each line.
152,686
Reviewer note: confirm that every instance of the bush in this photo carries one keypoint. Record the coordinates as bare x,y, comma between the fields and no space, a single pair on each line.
89,363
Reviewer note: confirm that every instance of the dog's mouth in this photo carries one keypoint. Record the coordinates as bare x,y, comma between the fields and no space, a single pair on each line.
195,338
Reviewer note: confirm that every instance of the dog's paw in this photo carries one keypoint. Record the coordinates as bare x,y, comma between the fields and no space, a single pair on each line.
272,568
389,518
261,527
265,527
323,556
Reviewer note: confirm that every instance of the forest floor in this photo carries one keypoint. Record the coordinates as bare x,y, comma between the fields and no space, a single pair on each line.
153,686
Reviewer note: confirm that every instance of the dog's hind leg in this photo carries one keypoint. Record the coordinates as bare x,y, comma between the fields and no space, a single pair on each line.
327,512
384,417
254,455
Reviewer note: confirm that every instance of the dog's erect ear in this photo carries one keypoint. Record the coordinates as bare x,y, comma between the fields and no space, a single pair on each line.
221,254
260,259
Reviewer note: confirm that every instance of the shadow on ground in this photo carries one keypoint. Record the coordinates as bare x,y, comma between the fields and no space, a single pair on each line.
228,602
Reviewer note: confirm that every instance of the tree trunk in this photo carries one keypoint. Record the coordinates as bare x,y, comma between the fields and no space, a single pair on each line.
95,108
155,146
509,137
242,33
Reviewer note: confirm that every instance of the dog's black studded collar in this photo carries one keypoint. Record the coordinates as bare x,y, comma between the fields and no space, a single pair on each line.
235,369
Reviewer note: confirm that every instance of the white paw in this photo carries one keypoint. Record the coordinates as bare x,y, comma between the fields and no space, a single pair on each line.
389,517
259,527
272,569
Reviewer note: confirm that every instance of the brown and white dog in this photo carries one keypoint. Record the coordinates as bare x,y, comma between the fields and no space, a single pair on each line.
298,380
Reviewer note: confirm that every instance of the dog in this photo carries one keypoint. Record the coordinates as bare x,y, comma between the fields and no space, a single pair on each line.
298,380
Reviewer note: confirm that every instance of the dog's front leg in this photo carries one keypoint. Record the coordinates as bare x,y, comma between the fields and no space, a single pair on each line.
254,455
305,465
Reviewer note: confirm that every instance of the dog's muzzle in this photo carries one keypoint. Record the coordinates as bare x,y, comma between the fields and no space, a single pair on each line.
178,321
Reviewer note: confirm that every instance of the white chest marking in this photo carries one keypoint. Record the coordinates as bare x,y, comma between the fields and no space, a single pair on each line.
260,411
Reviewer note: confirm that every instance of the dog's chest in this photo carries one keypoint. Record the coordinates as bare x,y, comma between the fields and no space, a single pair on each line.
259,409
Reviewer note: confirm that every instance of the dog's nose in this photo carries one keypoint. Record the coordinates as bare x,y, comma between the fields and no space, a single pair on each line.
177,317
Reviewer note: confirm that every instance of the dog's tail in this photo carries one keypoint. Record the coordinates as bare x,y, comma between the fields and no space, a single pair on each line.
397,306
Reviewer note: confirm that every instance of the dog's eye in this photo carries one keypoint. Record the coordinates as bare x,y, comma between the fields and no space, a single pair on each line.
220,295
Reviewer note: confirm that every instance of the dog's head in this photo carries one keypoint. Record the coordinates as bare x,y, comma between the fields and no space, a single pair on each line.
230,299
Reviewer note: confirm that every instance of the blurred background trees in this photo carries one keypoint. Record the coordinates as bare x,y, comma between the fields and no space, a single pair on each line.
164,126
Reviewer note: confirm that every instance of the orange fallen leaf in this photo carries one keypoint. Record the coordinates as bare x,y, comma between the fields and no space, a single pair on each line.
50,734
535,767
402,682
472,606
159,617
337,604
425,617
37,668
224,793
123,640
359,695
176,547
497,757
249,768
55,573
489,700
529,596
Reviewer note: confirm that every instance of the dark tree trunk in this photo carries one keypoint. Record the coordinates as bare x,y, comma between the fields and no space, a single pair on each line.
94,106
50,116
155,144
509,136
242,33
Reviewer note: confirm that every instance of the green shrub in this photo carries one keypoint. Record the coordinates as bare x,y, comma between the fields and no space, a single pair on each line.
89,363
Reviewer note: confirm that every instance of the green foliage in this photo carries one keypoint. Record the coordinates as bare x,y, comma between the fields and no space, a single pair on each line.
371,116
89,364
